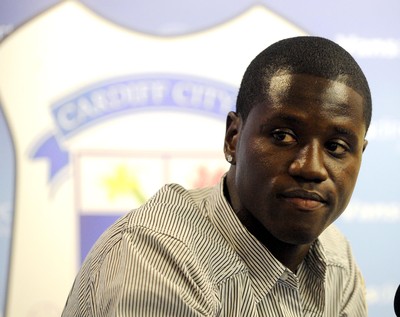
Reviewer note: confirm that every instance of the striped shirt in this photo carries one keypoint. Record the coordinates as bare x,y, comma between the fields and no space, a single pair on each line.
185,253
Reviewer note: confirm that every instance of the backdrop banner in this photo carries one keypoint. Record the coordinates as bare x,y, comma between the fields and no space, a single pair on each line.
101,105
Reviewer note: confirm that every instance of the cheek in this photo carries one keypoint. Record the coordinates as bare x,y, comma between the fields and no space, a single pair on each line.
350,172
257,171
345,180
259,154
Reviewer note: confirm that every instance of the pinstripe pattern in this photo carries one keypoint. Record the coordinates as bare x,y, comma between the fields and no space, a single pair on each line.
185,253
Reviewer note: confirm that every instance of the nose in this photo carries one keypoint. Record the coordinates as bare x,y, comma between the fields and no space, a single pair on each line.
309,163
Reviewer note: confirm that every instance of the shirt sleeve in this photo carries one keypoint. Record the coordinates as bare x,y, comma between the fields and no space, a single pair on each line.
146,273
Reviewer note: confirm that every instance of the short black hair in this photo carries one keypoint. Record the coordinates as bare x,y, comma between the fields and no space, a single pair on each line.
301,55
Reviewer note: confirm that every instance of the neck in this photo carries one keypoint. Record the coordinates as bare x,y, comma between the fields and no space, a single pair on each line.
290,255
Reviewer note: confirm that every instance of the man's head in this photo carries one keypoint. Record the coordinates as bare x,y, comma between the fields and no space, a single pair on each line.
296,143
301,55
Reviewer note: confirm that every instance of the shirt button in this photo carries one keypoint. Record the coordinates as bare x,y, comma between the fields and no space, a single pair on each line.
284,276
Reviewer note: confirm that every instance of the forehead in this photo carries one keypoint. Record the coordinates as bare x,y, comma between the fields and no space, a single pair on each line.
308,90
286,86
312,98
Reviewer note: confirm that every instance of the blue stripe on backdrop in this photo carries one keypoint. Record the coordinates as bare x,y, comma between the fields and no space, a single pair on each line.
182,17
7,185
176,17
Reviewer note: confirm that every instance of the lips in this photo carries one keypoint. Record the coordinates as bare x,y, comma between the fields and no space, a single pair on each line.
304,200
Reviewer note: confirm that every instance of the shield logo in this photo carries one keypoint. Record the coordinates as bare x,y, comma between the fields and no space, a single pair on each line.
126,150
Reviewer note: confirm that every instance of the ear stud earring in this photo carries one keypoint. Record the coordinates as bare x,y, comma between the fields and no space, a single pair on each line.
229,158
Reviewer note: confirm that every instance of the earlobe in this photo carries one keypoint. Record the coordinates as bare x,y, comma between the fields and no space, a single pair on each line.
233,122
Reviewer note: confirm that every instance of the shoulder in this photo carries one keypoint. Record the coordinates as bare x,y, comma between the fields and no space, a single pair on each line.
164,240
344,279
336,247
172,207
173,213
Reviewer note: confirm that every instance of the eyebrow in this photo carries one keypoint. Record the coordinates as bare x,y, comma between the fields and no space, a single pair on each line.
283,117
289,118
344,131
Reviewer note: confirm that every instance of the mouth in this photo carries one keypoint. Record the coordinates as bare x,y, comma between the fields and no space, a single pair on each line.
304,200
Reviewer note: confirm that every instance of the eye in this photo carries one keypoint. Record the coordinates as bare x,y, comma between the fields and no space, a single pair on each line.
337,148
284,137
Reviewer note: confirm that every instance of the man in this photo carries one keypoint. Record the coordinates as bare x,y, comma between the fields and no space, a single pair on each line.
260,242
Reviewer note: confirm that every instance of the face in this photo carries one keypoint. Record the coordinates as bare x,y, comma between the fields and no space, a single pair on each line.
297,156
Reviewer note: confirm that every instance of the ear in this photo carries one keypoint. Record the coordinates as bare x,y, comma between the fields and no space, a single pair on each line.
232,132
365,145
